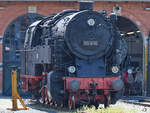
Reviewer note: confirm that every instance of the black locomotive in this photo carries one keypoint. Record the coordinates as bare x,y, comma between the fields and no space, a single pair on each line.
75,57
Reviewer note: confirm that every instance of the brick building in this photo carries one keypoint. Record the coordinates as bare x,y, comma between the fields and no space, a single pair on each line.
136,10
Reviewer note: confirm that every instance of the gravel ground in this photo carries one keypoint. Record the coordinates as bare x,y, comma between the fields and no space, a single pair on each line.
5,102
140,109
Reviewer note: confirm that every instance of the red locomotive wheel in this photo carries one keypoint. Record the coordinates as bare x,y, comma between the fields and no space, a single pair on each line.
44,96
47,99
71,103
42,99
107,101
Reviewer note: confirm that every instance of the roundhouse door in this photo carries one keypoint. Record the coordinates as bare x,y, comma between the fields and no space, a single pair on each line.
133,36
14,40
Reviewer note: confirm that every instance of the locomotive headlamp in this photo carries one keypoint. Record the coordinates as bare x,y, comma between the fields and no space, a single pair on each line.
71,69
115,69
7,48
91,22
129,71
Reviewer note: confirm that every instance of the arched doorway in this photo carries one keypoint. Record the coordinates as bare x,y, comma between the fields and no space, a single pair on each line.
13,40
133,36
131,33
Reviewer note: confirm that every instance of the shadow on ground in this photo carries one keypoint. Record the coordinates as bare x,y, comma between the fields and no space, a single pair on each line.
48,108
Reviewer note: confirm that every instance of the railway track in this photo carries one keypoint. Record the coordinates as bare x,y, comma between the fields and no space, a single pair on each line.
141,101
50,108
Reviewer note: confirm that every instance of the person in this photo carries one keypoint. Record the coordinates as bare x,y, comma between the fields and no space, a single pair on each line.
138,81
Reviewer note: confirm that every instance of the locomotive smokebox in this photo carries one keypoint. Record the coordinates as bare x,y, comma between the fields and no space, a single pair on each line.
85,5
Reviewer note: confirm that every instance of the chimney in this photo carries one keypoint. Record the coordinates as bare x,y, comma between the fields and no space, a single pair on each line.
85,5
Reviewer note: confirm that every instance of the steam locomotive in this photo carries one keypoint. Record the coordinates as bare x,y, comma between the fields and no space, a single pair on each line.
75,57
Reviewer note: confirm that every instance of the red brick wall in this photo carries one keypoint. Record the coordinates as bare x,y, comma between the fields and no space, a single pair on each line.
14,9
133,10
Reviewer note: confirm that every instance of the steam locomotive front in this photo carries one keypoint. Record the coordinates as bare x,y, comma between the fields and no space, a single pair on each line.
94,43
88,36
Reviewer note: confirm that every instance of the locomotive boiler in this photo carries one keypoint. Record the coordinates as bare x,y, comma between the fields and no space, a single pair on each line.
73,58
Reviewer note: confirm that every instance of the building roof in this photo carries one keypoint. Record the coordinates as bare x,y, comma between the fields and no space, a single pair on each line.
79,0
